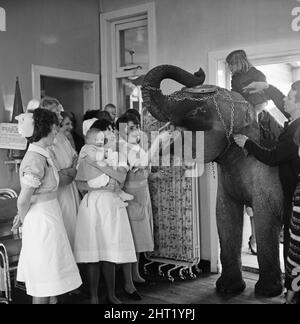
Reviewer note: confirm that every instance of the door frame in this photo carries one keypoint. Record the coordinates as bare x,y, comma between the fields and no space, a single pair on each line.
91,89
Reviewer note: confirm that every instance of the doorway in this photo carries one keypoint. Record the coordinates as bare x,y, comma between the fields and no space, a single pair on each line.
282,76
77,91
280,62
69,93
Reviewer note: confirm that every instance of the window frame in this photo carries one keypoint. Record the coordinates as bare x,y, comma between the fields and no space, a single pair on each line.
109,72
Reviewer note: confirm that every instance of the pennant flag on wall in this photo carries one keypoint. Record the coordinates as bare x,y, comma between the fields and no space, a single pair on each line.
18,105
17,110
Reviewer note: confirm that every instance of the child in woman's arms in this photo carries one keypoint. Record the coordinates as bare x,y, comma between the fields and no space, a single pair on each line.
97,163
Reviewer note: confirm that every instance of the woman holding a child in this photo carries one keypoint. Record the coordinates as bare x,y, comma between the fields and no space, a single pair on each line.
103,231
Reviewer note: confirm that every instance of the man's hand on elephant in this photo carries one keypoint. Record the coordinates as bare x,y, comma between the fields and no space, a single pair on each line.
240,140
256,86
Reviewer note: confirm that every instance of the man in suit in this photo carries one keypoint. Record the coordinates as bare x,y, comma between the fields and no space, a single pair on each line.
284,155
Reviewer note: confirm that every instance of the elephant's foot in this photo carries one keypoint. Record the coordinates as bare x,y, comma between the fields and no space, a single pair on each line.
266,288
230,285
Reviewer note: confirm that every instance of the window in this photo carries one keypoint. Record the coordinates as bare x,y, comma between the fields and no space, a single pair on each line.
131,62
128,43
132,46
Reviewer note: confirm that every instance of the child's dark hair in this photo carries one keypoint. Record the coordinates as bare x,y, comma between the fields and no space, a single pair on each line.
240,59
126,118
43,122
102,114
102,125
135,113
90,114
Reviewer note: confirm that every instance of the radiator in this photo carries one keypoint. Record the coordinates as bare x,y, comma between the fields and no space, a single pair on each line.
176,218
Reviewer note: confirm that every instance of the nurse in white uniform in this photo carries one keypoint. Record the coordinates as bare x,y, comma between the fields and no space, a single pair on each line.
65,159
46,265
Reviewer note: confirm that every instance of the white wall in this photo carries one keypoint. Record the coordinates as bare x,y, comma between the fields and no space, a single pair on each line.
187,30
279,75
57,33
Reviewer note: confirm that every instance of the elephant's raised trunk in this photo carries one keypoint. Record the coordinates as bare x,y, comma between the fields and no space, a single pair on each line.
154,100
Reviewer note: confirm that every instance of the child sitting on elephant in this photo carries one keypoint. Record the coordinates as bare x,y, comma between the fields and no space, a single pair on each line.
243,74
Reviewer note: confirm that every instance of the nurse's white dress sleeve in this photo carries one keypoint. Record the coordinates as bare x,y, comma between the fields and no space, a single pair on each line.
33,173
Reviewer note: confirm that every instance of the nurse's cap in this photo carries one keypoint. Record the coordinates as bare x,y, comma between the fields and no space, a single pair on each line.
87,124
25,124
33,104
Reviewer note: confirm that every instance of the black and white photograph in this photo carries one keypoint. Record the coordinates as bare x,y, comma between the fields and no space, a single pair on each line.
149,155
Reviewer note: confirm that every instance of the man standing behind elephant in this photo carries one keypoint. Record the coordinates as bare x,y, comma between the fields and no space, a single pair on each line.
284,155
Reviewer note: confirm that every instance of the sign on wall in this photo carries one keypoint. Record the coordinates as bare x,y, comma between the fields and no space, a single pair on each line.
10,138
2,20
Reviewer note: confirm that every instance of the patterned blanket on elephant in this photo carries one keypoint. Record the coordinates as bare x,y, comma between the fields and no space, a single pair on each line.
172,203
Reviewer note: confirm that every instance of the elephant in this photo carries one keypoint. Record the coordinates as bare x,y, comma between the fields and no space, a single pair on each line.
242,180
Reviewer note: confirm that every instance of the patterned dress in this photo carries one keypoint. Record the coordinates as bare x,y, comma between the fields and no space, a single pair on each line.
293,261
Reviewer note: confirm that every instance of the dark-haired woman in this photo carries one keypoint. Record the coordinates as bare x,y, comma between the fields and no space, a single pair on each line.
67,127
103,231
46,264
140,209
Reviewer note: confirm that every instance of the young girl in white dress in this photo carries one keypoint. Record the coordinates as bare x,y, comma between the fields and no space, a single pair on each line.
46,263
103,231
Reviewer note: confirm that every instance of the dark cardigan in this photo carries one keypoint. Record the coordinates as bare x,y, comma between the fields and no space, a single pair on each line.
241,80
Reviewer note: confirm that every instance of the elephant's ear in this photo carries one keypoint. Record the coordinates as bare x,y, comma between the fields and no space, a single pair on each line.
245,119
199,119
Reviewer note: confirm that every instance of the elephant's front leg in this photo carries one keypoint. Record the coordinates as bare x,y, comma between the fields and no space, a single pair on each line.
230,228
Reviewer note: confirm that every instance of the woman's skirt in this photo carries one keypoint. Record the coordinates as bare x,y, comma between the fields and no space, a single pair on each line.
103,231
140,214
46,264
68,197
